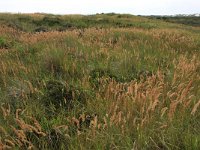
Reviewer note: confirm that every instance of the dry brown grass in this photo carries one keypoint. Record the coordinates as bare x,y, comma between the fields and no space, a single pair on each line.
136,104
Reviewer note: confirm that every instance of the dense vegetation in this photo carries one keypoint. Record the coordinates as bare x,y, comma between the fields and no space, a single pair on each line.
191,20
105,81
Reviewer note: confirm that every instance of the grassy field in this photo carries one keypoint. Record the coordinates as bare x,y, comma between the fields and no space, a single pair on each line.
191,20
105,81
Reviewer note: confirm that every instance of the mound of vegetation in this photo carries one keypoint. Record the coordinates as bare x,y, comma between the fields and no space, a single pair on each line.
186,20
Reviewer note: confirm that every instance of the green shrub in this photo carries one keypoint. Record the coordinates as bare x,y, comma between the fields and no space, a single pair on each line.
58,94
64,95
3,43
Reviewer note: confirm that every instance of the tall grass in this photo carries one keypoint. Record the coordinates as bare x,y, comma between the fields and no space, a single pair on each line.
100,88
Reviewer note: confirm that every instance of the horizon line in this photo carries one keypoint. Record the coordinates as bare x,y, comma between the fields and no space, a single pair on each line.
83,14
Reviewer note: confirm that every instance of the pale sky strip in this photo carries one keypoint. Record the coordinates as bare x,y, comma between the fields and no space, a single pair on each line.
137,7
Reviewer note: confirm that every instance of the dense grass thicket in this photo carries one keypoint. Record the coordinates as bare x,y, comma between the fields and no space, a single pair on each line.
191,20
105,81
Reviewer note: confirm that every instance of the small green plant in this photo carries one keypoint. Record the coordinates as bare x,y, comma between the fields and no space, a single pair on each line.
3,43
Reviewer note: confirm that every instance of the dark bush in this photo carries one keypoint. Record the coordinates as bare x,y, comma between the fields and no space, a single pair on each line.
67,25
58,94
52,21
62,95
41,29
48,21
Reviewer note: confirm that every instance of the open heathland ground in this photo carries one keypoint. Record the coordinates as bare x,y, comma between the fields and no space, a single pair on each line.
105,81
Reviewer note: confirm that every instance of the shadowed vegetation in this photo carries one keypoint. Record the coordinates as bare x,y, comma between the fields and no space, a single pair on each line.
190,20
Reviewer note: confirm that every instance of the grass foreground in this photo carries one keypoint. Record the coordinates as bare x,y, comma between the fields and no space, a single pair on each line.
106,81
